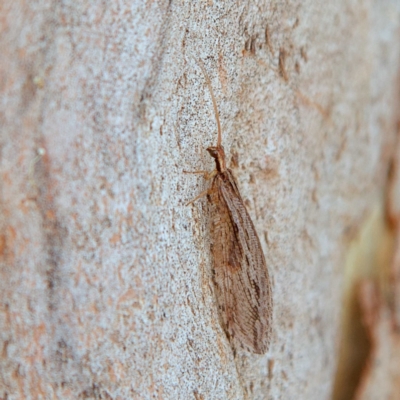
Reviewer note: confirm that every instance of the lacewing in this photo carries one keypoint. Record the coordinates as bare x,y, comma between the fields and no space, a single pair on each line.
243,288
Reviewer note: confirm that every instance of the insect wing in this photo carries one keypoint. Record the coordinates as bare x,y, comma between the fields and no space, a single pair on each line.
241,276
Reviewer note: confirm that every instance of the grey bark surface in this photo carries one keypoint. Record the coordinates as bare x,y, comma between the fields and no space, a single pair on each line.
105,285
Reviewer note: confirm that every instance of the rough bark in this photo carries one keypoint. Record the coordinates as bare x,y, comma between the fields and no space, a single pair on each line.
105,285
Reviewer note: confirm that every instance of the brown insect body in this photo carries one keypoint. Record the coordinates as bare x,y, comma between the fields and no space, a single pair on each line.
243,288
241,278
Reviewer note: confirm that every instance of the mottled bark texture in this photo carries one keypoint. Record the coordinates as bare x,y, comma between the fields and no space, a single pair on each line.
105,279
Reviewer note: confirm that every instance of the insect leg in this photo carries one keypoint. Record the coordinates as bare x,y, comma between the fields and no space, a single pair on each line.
195,172
202,194
206,175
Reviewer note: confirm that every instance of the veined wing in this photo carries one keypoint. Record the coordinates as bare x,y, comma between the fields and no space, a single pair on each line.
241,276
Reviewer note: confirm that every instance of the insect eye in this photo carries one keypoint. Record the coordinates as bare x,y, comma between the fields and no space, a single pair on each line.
213,151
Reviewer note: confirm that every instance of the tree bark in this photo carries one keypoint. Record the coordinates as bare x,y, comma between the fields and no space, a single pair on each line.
105,285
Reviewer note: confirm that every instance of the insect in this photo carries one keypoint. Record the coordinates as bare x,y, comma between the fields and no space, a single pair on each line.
243,288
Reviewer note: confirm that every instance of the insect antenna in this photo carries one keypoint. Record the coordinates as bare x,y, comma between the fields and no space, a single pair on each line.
213,101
